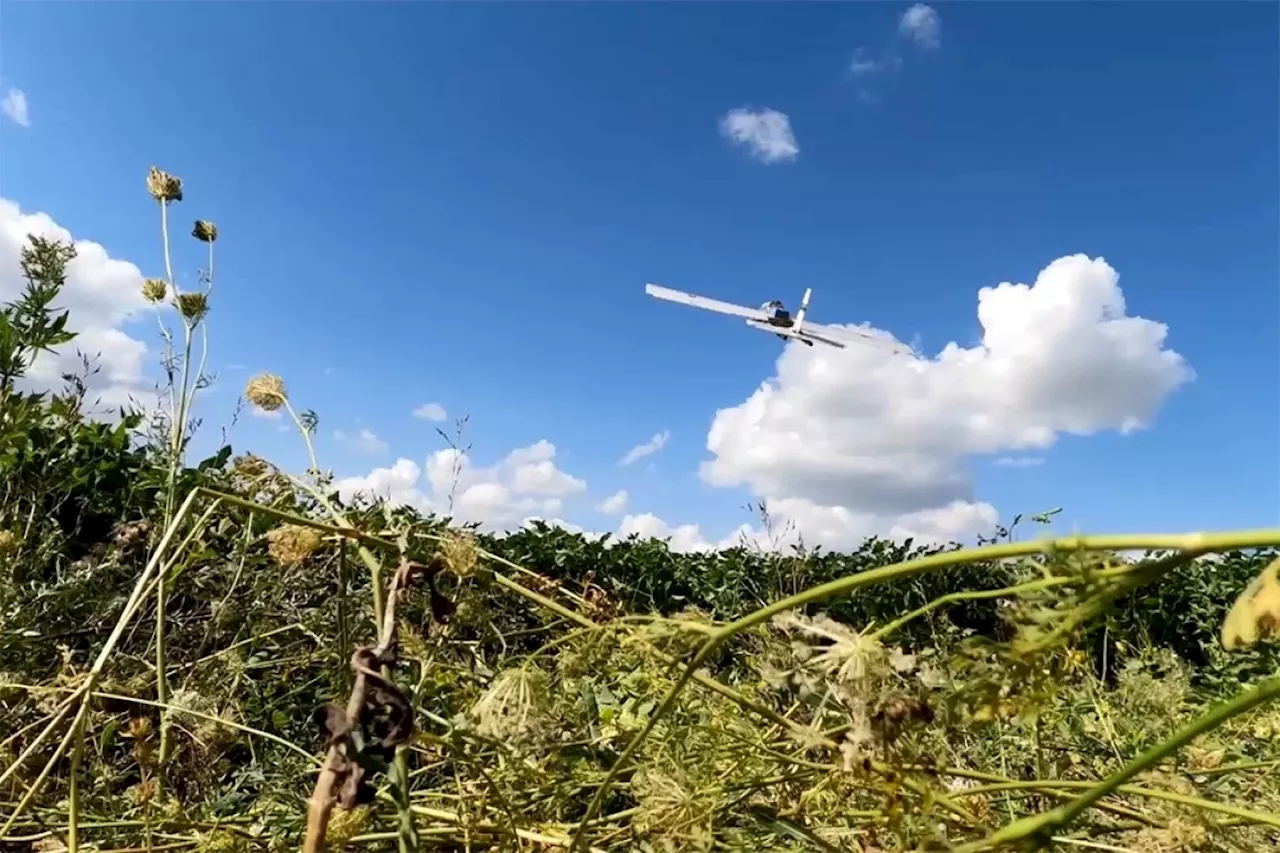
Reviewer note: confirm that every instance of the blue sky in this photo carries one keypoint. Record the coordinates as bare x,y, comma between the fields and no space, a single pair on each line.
461,203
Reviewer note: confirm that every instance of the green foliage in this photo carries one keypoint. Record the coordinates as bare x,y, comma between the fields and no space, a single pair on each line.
31,325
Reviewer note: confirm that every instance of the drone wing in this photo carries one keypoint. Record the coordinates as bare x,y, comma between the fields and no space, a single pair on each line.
703,302
833,334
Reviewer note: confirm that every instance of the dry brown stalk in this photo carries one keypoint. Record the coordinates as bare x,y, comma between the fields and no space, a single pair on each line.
342,779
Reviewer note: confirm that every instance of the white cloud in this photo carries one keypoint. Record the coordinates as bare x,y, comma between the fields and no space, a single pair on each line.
614,504
650,447
922,25
1020,461
430,412
525,484
102,294
864,65
683,537
765,132
845,444
273,415
849,443
14,105
364,441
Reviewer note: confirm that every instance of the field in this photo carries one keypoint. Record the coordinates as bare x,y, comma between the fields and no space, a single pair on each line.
221,655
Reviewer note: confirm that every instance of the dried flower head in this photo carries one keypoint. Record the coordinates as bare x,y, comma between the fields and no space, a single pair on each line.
164,187
154,289
851,655
458,547
200,716
514,708
130,534
674,809
205,231
346,824
249,465
222,841
290,544
193,306
266,391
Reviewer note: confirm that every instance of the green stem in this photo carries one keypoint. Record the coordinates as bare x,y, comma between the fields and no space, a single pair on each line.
977,595
1198,542
1048,823
1054,785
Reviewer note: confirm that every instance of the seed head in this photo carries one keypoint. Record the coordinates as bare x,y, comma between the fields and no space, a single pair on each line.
459,551
205,231
515,707
250,465
346,824
290,544
266,391
154,290
193,306
164,187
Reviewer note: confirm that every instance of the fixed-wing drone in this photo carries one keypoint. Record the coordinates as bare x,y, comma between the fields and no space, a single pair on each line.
774,317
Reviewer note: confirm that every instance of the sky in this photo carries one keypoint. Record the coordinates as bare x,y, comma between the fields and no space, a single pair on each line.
428,211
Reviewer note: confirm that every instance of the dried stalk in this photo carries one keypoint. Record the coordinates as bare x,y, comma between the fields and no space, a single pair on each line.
340,777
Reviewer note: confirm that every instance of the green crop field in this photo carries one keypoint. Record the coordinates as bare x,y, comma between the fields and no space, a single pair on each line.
222,655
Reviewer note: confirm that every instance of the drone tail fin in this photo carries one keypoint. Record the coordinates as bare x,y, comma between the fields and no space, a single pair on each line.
804,306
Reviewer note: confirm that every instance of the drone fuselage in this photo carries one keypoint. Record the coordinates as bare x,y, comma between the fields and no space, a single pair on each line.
788,332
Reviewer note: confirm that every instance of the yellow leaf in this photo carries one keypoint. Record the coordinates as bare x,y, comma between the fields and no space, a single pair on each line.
1256,613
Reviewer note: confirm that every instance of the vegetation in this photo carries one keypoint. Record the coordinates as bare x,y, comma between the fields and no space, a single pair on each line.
225,656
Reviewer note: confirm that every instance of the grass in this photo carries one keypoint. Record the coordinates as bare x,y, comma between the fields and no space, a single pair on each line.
225,656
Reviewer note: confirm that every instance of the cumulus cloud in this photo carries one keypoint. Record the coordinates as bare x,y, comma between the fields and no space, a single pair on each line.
922,25
430,412
524,485
684,537
649,448
849,443
765,133
614,504
102,294
363,441
14,106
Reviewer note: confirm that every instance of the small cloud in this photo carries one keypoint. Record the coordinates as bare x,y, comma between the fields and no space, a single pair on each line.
1019,461
615,504
765,132
430,412
365,441
862,65
273,415
14,106
649,448
922,25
